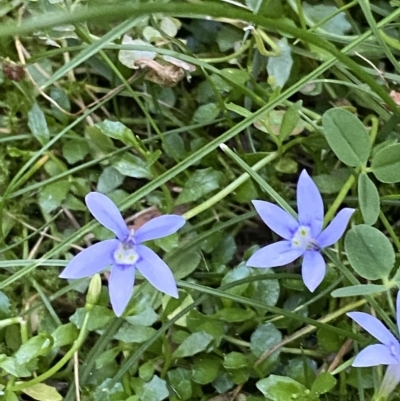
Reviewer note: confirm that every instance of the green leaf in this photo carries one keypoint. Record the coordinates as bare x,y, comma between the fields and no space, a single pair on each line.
107,356
174,146
109,179
235,360
195,343
357,290
227,36
64,335
180,380
332,183
279,388
169,26
337,24
238,273
263,338
265,291
75,150
324,383
130,333
279,67
368,197
52,195
154,390
205,369
34,347
233,74
369,251
100,145
132,166
386,164
146,371
38,125
116,130
11,366
206,113
9,396
146,317
199,184
129,57
234,315
289,121
225,250
347,137
99,317
42,392
183,262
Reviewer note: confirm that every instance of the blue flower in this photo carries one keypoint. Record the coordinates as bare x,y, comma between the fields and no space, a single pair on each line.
385,353
125,254
304,237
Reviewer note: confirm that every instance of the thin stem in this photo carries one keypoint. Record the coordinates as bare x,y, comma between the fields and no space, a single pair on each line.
77,344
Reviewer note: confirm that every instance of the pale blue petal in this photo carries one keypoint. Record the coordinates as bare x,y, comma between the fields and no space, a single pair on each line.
313,269
309,204
155,270
390,381
373,355
91,260
374,327
106,213
398,310
120,287
159,227
277,254
335,229
276,218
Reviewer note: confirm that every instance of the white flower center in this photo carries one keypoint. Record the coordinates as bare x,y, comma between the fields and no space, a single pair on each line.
125,254
302,239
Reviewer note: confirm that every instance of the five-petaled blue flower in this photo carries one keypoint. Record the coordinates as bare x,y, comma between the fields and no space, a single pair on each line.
302,238
126,253
385,353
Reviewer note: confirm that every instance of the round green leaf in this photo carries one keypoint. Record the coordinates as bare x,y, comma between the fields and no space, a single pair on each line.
368,197
347,137
369,251
278,388
386,164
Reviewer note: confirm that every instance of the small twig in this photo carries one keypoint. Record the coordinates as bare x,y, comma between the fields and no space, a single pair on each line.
79,248
35,248
346,347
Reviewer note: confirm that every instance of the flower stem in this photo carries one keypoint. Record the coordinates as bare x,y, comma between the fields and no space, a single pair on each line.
339,199
229,189
77,344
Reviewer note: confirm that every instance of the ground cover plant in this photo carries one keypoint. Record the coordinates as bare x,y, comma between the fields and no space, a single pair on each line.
198,200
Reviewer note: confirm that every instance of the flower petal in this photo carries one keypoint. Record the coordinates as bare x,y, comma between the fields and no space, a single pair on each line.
154,269
106,213
313,269
335,229
277,254
309,204
277,219
374,327
91,260
373,355
120,287
390,381
159,227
